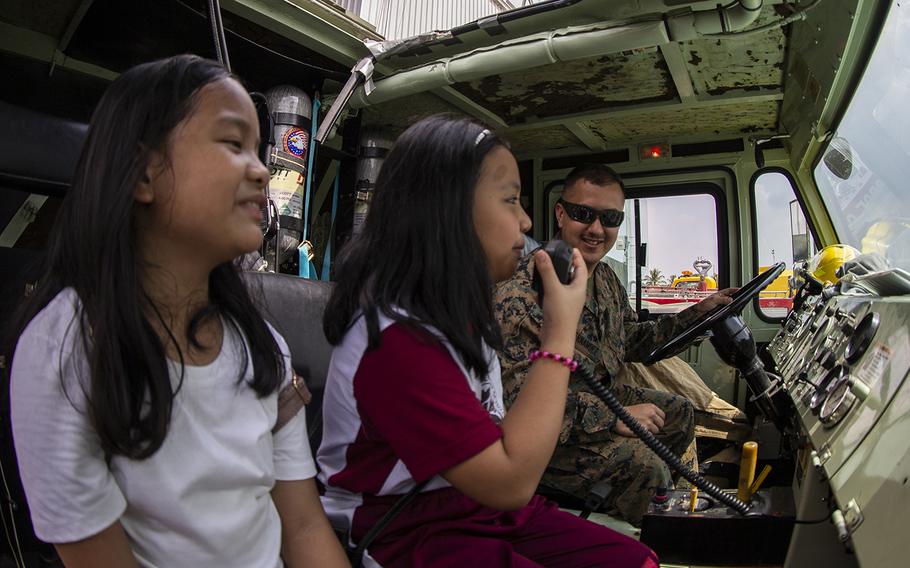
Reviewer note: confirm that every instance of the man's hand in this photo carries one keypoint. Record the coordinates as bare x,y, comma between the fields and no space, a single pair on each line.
647,414
719,298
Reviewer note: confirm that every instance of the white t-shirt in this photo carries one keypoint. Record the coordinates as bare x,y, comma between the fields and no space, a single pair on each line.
203,499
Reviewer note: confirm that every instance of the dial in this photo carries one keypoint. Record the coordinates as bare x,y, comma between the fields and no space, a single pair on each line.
838,402
824,386
862,337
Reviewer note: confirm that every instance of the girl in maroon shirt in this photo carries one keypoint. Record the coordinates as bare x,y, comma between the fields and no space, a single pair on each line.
413,391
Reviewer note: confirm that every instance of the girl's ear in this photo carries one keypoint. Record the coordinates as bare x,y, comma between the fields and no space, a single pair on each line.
144,193
145,189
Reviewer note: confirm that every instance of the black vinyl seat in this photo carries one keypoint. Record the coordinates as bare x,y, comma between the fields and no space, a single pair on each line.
294,306
38,152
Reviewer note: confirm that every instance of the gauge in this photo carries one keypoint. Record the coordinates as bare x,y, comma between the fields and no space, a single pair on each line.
838,402
862,337
821,389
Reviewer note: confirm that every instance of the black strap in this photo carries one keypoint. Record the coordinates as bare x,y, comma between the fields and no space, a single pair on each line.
365,185
356,555
372,152
291,223
292,119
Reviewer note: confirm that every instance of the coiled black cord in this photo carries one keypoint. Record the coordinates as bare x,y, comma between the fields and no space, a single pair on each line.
741,507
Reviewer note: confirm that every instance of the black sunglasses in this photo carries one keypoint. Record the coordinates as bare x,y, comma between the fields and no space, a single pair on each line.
583,214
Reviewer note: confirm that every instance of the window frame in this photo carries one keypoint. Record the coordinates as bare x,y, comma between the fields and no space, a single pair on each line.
680,189
753,218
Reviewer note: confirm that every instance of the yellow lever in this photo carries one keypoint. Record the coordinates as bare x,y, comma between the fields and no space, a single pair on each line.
747,470
760,479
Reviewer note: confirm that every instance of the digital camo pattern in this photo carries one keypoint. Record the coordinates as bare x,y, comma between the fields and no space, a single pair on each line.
609,334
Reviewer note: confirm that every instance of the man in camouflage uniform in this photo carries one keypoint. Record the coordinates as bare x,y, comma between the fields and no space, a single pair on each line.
594,445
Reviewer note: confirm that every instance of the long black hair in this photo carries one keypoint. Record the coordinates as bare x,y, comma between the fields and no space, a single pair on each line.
418,249
94,250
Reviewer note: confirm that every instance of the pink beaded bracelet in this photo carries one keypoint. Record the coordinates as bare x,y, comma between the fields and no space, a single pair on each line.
572,364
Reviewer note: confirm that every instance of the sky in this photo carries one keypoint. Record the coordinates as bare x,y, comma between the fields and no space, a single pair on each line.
679,229
773,195
876,128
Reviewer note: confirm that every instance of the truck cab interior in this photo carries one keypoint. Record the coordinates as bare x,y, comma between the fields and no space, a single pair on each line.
749,135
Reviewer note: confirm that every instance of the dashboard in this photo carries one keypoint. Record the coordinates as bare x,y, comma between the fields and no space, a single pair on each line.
844,362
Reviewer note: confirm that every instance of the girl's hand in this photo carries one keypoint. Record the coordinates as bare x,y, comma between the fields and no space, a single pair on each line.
563,304
506,474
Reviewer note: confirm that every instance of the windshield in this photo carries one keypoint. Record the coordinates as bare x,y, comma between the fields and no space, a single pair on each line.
864,173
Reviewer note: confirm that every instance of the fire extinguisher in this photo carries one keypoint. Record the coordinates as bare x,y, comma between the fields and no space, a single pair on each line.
292,111
373,147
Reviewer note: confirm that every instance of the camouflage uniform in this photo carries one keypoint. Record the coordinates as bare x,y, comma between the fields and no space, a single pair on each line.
608,334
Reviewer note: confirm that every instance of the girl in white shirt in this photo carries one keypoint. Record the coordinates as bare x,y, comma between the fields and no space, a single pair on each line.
144,383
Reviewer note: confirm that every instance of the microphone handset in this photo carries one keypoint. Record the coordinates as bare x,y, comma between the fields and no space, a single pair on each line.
561,255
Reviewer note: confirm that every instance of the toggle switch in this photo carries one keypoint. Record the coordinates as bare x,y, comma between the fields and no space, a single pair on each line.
859,389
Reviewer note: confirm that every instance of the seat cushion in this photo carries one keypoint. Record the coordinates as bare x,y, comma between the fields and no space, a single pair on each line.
294,306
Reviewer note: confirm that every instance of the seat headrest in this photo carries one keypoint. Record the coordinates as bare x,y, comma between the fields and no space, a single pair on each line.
294,306
39,147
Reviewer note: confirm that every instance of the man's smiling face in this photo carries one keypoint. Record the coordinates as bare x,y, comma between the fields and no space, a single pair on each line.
593,240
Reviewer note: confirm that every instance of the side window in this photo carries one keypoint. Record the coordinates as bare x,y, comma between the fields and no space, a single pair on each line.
679,263
781,235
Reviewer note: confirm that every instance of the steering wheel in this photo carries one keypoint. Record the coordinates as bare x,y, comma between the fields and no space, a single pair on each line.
740,298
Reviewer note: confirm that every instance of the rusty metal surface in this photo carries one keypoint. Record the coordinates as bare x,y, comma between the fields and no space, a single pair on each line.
753,62
395,116
718,68
682,121
574,86
550,138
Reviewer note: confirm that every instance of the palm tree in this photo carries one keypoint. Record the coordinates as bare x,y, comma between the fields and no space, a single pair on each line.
655,278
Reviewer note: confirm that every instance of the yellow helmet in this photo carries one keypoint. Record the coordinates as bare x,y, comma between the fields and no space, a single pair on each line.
881,235
823,266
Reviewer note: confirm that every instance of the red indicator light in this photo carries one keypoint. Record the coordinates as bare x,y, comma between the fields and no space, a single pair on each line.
653,151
